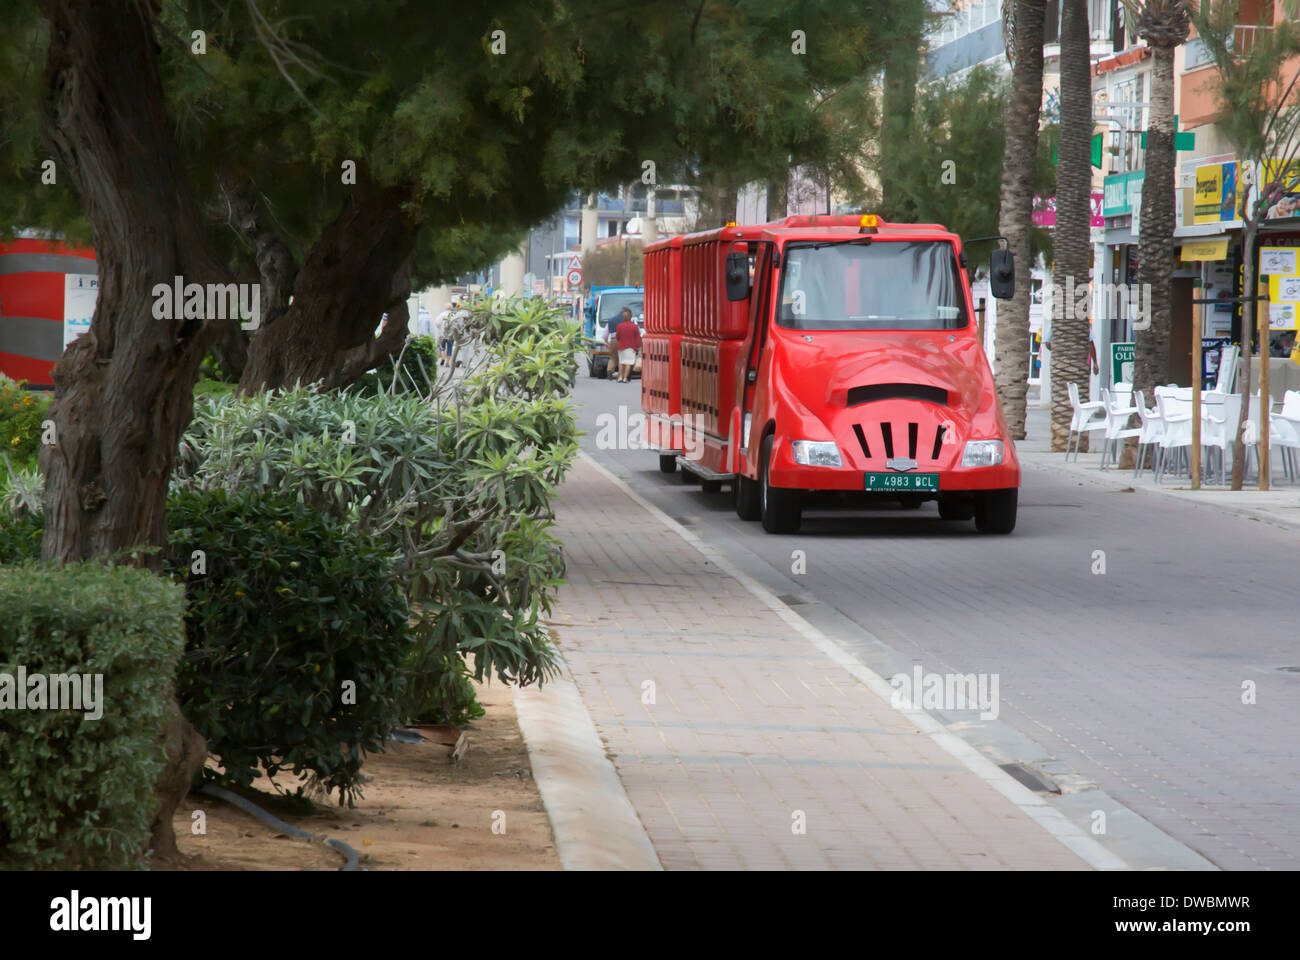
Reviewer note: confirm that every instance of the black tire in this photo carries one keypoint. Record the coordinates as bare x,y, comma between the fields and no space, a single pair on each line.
956,509
781,509
667,463
995,511
711,486
746,495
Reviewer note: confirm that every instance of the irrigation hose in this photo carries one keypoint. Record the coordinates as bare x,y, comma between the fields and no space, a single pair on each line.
221,793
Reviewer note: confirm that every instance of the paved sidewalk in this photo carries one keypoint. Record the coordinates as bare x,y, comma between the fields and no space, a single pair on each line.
1279,505
731,721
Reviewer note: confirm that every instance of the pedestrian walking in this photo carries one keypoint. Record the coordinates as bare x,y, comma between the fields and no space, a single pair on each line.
628,340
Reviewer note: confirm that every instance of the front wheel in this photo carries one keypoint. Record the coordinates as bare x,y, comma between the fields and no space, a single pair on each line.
995,511
781,509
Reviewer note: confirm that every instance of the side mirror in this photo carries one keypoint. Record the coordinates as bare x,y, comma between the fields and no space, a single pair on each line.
1002,274
737,276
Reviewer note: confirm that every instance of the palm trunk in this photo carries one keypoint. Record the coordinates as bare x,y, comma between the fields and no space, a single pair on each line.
1018,168
123,392
1156,244
1073,212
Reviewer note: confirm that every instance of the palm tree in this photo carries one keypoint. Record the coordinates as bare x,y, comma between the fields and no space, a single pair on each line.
1163,24
1023,29
1073,187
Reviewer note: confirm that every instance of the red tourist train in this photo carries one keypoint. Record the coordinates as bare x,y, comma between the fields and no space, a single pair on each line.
826,353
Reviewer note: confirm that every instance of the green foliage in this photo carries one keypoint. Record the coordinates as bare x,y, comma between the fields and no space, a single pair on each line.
418,362
21,415
286,608
961,121
457,484
77,792
20,534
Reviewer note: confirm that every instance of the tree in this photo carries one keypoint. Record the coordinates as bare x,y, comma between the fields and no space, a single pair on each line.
905,21
1259,114
1163,24
1073,212
1020,148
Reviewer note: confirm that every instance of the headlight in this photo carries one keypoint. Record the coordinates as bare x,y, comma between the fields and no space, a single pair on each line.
982,453
744,429
816,453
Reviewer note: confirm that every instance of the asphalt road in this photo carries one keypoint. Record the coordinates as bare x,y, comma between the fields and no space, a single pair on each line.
1132,679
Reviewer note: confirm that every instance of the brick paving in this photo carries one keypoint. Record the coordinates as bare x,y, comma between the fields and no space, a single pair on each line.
751,726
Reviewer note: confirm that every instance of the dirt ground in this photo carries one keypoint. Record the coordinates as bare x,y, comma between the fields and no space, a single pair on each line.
420,811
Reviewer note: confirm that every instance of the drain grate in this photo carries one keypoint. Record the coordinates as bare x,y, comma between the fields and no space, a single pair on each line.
1030,778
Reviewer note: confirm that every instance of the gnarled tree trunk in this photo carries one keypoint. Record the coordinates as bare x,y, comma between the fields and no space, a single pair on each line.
123,392
340,293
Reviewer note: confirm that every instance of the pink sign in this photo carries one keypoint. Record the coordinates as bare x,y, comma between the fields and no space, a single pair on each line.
1044,213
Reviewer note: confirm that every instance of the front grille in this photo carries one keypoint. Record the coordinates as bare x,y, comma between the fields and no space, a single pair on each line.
887,438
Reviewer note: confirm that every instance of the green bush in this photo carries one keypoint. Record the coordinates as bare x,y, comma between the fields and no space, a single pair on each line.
75,791
287,607
21,415
20,536
457,483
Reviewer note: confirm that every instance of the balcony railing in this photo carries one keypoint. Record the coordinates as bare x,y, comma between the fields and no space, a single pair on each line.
1243,41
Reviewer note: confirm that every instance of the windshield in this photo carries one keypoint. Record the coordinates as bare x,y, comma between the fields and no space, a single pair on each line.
612,304
879,285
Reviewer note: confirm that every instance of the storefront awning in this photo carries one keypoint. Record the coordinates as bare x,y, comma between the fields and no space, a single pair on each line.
1212,248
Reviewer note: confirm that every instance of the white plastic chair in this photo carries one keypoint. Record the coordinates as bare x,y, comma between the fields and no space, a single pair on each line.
1176,416
1219,416
1119,410
1277,434
1149,433
1087,418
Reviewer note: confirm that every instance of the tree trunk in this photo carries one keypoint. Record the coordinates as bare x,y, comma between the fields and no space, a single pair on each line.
123,392
1248,284
339,295
1156,244
1070,329
1019,160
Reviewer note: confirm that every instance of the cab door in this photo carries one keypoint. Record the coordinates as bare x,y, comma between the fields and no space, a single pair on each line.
748,380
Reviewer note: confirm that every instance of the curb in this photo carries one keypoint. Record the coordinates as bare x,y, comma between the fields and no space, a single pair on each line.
1035,807
595,825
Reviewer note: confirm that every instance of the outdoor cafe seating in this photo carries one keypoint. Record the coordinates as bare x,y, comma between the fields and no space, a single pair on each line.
1163,431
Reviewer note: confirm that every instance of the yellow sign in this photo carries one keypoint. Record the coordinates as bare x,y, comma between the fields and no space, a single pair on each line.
1215,249
1209,192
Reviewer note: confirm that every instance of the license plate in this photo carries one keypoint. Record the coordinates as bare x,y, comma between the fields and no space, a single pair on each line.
901,481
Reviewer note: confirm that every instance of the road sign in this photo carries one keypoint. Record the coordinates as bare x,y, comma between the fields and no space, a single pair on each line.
574,277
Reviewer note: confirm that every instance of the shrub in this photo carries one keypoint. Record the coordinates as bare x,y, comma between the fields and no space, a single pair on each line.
457,483
21,415
20,536
287,607
418,365
74,791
